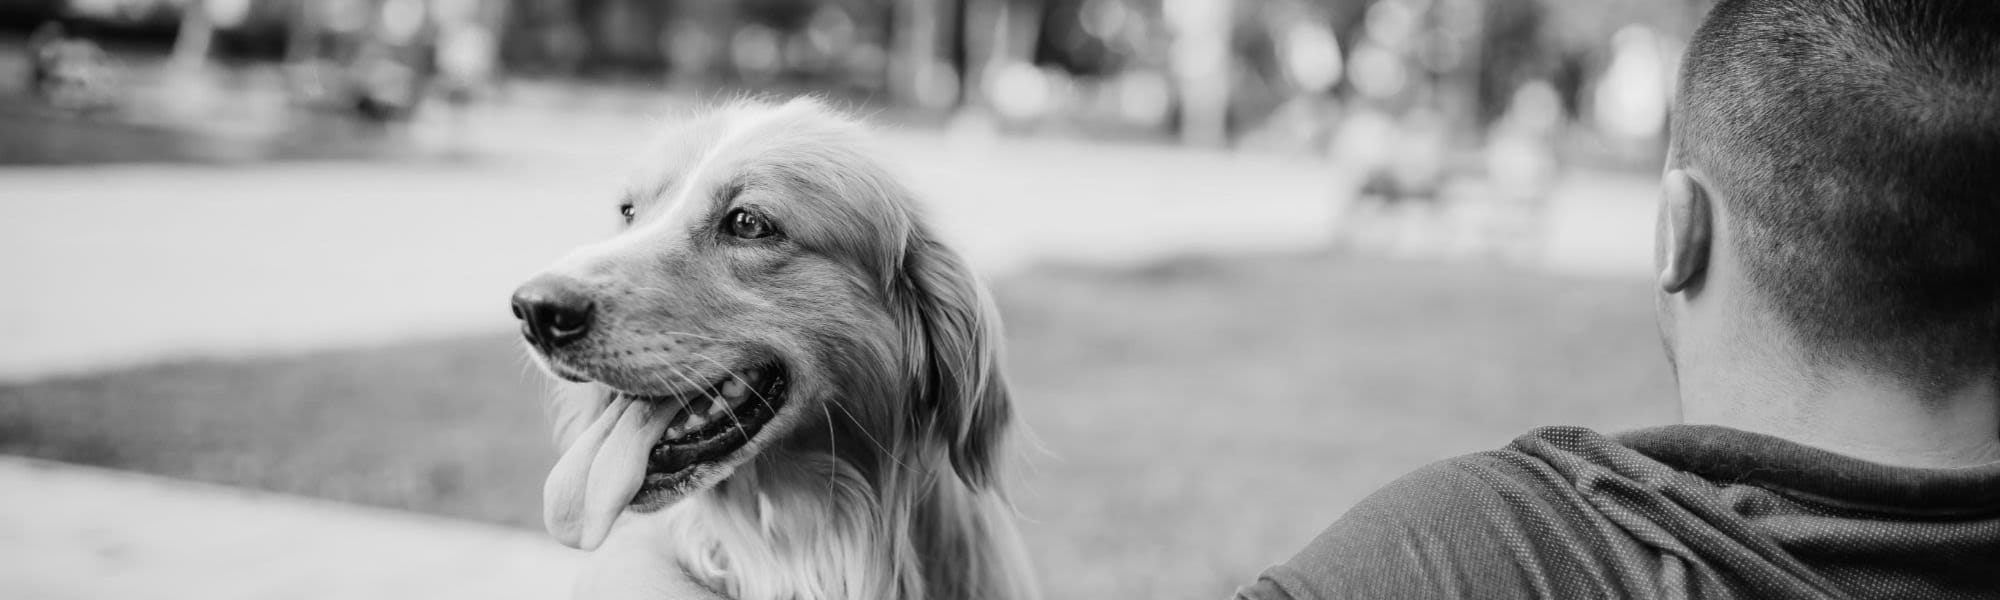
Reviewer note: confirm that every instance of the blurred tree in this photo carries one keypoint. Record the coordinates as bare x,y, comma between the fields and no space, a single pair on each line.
302,26
1512,49
921,72
197,33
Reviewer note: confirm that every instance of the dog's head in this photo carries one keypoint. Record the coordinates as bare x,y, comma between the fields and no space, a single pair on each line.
772,286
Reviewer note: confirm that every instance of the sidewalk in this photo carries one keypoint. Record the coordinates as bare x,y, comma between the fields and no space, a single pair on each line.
74,532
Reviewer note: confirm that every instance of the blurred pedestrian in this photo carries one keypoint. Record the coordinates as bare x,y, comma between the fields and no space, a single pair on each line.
70,73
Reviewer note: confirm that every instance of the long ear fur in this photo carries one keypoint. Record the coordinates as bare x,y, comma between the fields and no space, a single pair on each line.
955,358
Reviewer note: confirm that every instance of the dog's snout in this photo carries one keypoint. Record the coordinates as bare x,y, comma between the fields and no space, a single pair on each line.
553,311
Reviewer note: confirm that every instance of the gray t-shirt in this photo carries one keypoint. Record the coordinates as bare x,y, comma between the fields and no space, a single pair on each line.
1682,511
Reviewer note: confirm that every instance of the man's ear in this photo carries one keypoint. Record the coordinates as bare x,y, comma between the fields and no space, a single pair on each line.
954,342
1685,232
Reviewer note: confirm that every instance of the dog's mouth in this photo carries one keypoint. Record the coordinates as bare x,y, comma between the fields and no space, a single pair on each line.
646,451
707,428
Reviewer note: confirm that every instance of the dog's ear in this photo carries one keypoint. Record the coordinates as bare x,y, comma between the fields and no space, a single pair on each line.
954,346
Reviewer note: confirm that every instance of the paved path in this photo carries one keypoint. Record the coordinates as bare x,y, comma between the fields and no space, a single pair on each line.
69,532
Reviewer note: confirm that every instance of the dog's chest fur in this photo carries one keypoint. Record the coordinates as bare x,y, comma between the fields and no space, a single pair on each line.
816,530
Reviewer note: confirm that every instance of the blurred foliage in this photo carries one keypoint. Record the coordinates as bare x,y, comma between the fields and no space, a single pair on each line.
1276,74
633,34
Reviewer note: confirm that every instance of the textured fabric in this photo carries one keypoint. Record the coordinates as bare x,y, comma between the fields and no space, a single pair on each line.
1682,511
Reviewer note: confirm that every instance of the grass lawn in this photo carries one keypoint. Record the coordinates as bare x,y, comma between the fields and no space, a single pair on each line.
1195,421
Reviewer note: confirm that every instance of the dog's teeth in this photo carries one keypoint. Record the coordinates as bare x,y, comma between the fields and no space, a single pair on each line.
715,410
694,422
734,389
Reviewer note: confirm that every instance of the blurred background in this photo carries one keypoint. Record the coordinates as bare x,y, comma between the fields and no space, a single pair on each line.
1257,258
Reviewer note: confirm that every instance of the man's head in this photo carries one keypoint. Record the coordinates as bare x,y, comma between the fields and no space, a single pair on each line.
1843,157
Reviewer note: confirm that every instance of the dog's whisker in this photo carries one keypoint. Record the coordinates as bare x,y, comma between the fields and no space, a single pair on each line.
682,398
871,437
643,288
726,409
731,410
739,379
832,448
704,337
527,357
850,414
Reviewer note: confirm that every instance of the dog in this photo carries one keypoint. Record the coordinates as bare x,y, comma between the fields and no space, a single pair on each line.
775,381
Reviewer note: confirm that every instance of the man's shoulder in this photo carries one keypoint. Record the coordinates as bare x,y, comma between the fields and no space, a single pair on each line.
1440,494
1478,525
1536,469
1424,535
1565,512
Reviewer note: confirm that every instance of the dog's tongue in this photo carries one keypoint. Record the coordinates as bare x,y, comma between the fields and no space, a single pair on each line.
600,472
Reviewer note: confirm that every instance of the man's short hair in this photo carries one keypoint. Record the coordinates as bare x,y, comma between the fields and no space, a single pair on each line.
1855,145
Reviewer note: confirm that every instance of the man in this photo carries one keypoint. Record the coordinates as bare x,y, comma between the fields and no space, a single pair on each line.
1829,272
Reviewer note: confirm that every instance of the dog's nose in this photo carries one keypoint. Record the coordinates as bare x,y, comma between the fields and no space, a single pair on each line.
552,311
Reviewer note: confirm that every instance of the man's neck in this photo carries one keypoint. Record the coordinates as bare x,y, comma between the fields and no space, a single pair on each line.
1859,414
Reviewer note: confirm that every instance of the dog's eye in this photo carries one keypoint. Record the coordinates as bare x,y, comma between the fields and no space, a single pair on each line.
628,211
747,225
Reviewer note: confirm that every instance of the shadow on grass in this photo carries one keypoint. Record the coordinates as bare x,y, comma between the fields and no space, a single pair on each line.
1194,421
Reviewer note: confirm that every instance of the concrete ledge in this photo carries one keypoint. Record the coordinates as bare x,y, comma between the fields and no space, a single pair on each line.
73,532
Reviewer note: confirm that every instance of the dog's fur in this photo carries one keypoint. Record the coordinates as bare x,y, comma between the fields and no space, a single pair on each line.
879,478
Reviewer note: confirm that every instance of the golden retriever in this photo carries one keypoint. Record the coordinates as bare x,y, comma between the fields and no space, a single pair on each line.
776,382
